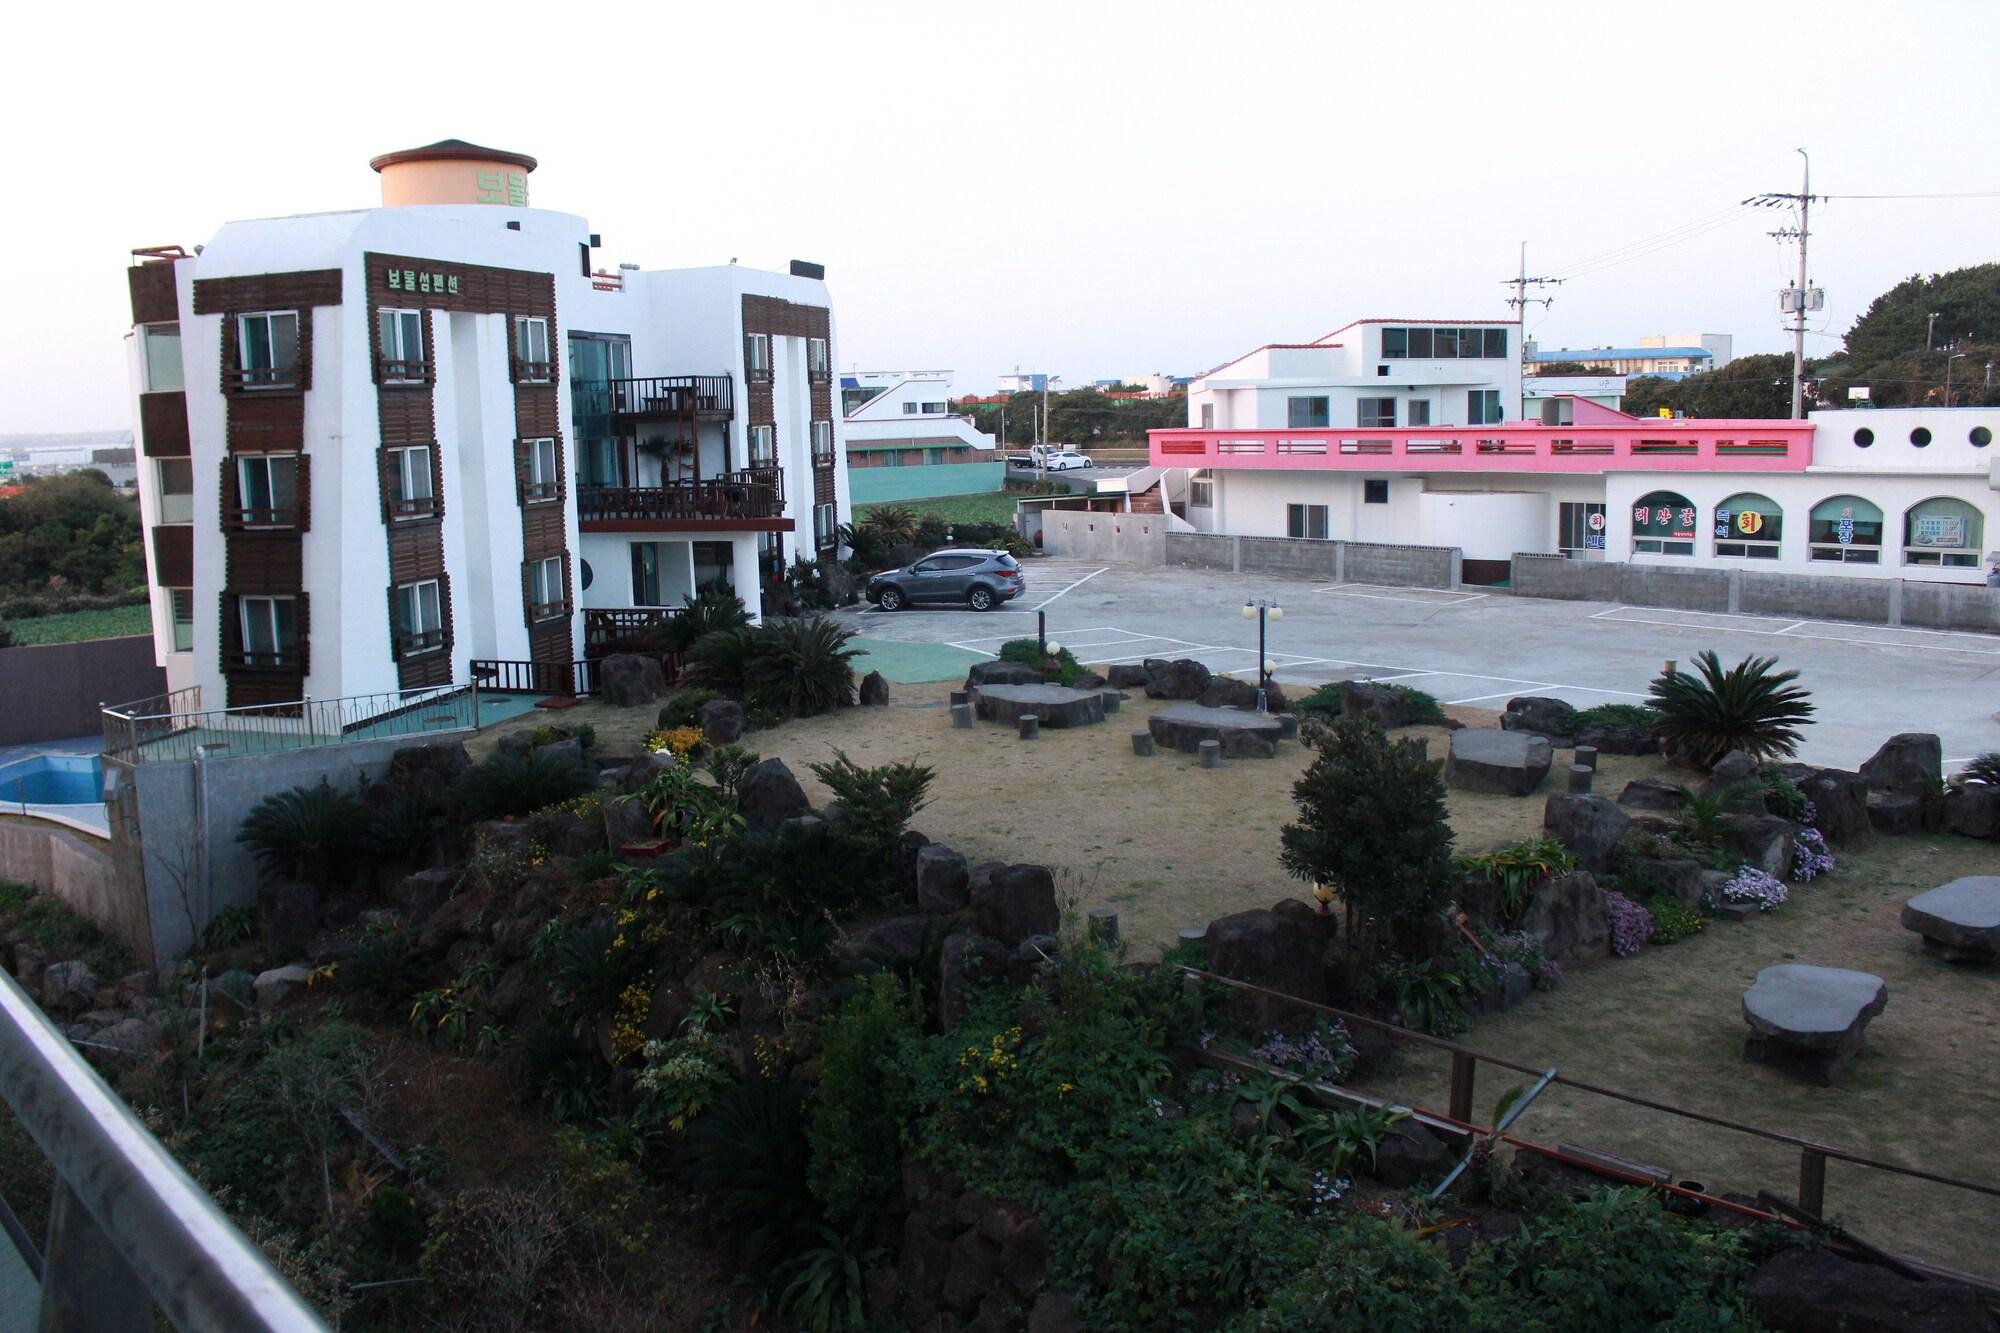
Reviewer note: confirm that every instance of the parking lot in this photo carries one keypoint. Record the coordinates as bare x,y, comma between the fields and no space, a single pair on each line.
1480,648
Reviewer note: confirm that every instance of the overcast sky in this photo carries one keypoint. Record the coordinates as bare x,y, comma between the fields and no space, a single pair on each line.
1094,190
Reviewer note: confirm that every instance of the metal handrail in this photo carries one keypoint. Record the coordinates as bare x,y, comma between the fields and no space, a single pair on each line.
124,1207
171,735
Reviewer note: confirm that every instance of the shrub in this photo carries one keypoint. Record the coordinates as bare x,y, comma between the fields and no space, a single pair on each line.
1518,867
383,972
802,667
593,964
1029,651
1429,995
1323,702
1811,857
61,932
308,833
713,607
1372,822
1781,794
1984,768
879,802
505,784
726,765
1672,920
1424,708
719,661
1370,1276
1642,716
1519,947
683,708
1631,924
1750,707
858,1109
680,1078
1750,885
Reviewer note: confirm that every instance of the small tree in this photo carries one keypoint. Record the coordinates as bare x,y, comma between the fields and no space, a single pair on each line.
1372,824
1752,706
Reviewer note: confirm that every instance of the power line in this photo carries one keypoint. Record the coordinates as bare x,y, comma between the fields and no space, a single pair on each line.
1960,194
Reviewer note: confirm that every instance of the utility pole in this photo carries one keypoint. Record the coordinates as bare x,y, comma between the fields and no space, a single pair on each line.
1930,326
1947,375
1800,297
1520,301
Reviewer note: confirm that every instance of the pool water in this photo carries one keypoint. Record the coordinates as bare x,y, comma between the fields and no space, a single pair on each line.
54,779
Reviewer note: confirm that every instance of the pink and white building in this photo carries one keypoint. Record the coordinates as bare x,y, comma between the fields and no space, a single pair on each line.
1356,438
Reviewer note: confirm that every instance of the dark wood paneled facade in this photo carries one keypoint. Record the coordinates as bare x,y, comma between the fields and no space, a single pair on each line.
163,423
173,555
265,559
154,298
406,406
778,318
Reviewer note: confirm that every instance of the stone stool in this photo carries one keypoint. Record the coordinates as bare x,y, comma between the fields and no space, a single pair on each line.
1587,756
1810,1019
1142,743
1031,726
1579,778
1211,754
1959,921
961,716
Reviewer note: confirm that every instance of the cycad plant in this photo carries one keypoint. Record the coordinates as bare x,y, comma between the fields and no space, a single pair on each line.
1984,768
308,833
802,667
515,784
1706,713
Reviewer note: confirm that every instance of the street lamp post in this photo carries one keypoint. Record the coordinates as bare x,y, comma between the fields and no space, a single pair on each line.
1947,376
1260,610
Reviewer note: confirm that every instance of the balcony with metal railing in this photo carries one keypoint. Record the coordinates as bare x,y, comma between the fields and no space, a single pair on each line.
657,397
752,500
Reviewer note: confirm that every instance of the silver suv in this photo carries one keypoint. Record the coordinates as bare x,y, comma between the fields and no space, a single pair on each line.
975,578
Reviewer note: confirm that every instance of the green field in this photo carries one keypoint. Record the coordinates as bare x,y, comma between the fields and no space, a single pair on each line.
994,507
76,626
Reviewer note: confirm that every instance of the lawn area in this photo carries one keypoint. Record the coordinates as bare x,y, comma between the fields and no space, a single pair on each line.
75,626
991,507
1170,844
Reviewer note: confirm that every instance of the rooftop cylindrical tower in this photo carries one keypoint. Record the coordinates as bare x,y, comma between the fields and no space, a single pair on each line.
452,171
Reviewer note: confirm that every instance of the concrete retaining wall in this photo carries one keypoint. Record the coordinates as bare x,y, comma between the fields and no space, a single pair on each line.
1756,592
1121,538
53,691
188,816
78,872
1343,562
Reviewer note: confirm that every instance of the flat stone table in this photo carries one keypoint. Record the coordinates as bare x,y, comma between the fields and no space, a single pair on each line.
1241,733
1506,763
1960,921
1810,1019
1056,705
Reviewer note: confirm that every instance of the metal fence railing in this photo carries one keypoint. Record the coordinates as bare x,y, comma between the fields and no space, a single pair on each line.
129,1230
167,729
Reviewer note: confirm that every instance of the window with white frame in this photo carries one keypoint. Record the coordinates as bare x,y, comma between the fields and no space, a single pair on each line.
1201,490
1208,416
1846,529
543,482
1309,413
160,345
757,355
180,612
409,483
1749,526
267,490
822,437
763,446
817,365
267,349
402,346
531,348
911,409
1482,407
176,489
1943,531
823,525
270,629
419,618
1306,521
547,593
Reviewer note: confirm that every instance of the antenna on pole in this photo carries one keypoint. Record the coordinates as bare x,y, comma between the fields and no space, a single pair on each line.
1800,296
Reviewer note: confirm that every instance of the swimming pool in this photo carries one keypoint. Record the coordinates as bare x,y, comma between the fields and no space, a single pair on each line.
65,788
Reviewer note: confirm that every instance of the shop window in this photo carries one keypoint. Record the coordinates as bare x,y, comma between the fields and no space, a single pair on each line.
1748,527
1847,529
1942,531
1663,523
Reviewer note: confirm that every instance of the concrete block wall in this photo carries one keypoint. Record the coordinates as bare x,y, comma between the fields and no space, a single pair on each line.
1291,556
1116,537
1401,566
1757,592
1813,597
77,871
1200,550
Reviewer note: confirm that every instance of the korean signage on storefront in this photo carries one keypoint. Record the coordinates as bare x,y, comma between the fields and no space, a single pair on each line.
1670,517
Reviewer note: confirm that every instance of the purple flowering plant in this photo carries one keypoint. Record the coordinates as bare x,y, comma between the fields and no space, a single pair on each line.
1631,924
1751,885
1810,856
1322,1054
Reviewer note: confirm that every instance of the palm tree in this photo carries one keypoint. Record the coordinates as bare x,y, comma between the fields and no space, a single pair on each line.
1750,707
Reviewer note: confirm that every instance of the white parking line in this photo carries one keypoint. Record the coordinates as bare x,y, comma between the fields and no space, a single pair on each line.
1805,629
1385,595
1071,588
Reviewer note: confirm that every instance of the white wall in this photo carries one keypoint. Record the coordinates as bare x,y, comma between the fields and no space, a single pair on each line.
1488,525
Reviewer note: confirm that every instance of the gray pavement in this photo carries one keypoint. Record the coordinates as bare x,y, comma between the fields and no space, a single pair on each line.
1481,648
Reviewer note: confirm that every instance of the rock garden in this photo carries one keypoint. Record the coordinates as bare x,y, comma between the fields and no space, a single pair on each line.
768,1000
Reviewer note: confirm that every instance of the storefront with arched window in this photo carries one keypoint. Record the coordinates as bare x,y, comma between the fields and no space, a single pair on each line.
1663,523
1847,529
1749,526
1942,531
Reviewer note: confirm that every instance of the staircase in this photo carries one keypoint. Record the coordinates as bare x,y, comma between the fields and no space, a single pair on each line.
1147,501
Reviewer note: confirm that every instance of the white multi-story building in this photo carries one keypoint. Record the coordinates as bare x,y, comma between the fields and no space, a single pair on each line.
905,443
379,446
1371,373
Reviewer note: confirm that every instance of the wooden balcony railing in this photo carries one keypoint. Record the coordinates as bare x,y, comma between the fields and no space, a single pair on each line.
235,378
403,372
658,395
736,495
627,629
